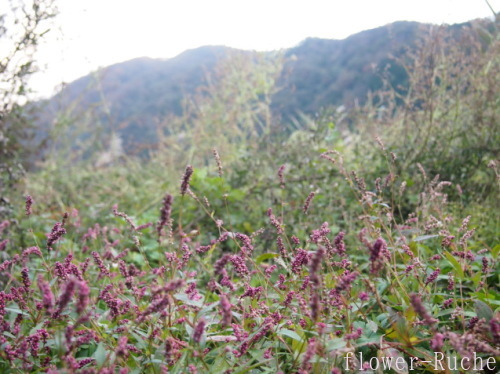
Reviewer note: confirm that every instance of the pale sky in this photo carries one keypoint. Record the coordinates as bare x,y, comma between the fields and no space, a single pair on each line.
96,33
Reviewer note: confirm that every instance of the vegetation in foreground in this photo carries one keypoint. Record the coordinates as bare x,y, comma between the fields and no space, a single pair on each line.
151,297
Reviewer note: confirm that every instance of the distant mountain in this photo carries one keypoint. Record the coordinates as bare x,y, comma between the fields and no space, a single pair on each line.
318,73
333,72
132,96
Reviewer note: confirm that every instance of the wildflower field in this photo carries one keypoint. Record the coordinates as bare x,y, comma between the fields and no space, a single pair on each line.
361,242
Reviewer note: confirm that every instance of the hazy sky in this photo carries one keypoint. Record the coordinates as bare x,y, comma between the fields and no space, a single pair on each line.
96,33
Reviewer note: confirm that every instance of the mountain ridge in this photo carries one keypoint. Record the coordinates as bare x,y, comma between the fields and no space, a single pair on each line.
136,94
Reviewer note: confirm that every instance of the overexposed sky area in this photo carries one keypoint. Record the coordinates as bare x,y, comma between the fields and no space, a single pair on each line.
95,33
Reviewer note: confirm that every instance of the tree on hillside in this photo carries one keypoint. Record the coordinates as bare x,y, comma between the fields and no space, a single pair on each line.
22,24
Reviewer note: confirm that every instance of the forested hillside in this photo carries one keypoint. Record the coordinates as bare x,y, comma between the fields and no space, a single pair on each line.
133,97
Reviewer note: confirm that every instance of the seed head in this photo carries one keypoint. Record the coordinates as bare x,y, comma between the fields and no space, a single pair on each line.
307,203
198,331
185,179
29,203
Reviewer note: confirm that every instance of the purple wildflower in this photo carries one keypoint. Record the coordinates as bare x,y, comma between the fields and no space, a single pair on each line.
281,247
270,269
447,241
239,265
376,251
156,306
485,265
354,335
48,299
124,216
346,280
268,353
266,326
26,279
316,261
83,297
65,298
29,203
165,213
199,330
217,161
451,282
311,350
239,332
281,282
447,302
225,310
170,287
3,225
226,281
60,270
192,292
186,255
247,246
339,244
363,296
251,292
419,308
318,235
301,258
274,221
185,179
288,299
57,232
31,250
437,342
280,175
144,226
495,329
433,276
465,237
121,349
465,224
472,322
305,283
315,305
85,361
221,263
100,264
307,203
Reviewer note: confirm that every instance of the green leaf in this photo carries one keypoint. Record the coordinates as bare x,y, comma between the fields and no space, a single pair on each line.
476,279
483,310
17,310
140,341
456,265
334,344
220,365
185,298
290,334
100,354
495,251
372,326
424,237
265,256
